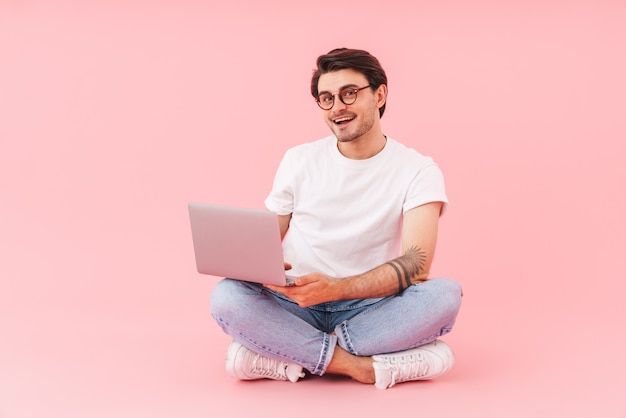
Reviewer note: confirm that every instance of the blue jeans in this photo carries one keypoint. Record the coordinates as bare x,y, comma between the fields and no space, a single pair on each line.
269,323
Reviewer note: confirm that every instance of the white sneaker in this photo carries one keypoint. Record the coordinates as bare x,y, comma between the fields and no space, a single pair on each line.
420,363
245,364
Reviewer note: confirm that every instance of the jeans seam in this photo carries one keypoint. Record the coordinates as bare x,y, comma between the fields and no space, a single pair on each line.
326,354
345,337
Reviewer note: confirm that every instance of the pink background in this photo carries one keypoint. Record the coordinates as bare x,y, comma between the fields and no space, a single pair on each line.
115,114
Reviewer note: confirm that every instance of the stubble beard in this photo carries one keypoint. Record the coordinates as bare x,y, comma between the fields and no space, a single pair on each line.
363,128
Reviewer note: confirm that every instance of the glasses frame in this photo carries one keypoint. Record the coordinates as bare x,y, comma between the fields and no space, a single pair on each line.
356,90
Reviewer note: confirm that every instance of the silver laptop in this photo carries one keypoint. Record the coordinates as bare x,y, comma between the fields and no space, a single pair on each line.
238,243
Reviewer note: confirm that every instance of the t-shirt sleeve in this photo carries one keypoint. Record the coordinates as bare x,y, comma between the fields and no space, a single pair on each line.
427,186
280,199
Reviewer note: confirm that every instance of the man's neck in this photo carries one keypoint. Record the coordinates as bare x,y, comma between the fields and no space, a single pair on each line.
363,147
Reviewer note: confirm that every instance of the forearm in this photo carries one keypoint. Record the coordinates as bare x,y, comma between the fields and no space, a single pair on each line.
389,278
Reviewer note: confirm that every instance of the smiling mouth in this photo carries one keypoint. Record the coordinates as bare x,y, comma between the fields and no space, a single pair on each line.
343,120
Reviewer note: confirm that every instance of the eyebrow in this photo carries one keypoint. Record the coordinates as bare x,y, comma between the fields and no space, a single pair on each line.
341,88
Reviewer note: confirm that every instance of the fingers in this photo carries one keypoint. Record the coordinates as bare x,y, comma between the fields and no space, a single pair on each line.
309,278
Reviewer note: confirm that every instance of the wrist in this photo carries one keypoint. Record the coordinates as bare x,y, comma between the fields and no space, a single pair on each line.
344,288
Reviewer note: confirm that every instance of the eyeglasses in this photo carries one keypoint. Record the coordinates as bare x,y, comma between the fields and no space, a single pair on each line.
346,95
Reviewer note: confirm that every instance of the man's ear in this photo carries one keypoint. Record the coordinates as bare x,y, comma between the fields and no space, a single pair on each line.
381,95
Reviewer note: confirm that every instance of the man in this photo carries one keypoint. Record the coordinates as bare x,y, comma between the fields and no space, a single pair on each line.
358,213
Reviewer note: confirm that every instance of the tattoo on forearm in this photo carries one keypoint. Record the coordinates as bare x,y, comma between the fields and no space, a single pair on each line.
398,273
409,266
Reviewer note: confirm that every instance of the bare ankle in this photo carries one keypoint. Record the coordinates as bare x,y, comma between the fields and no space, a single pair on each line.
358,368
365,371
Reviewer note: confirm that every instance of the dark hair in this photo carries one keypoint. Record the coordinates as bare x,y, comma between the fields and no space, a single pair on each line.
354,59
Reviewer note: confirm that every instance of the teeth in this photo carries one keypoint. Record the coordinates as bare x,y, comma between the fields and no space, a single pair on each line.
342,119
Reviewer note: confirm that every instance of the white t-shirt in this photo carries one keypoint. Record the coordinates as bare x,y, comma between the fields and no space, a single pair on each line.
347,214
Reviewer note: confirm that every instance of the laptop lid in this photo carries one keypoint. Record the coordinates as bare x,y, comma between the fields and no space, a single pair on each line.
238,243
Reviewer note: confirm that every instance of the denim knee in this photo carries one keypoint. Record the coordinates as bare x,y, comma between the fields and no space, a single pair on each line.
228,295
449,294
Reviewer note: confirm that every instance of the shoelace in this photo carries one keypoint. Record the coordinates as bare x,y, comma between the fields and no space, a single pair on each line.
265,366
409,367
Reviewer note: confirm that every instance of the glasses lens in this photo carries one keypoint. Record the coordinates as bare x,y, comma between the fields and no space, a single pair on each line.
325,100
348,96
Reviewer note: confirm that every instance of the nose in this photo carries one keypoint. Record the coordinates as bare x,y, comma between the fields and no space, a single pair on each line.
337,103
